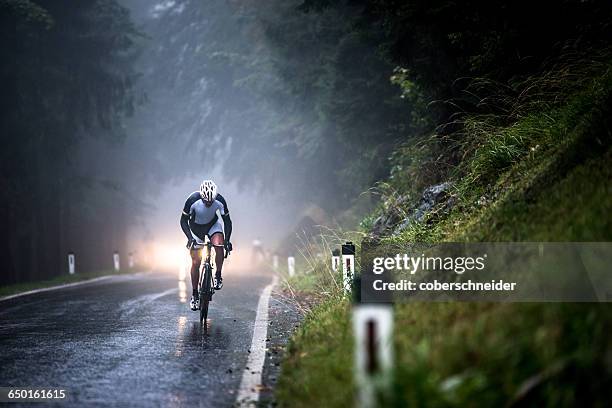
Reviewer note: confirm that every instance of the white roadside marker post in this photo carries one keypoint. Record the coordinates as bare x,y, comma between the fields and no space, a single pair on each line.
348,266
275,262
373,348
71,263
291,265
116,260
373,330
335,260
131,260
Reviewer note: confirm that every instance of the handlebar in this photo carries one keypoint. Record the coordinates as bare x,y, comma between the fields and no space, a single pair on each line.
210,245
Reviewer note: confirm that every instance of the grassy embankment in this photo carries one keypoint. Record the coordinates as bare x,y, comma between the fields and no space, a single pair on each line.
546,176
60,280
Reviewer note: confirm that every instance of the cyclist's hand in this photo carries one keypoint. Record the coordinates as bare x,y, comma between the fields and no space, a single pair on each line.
191,243
228,247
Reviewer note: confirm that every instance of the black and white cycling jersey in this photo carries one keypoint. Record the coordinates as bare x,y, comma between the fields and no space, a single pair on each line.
199,221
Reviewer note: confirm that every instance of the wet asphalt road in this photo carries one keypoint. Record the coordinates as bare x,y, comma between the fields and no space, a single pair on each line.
131,340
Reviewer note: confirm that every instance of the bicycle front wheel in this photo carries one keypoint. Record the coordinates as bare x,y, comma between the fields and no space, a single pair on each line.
205,293
203,310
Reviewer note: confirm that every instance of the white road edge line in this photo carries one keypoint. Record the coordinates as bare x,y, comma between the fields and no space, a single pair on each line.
66,285
248,392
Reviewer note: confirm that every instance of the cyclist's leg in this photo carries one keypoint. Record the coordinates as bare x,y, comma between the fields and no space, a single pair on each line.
196,260
217,239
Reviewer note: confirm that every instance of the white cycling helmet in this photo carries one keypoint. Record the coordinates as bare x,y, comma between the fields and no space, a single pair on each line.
208,190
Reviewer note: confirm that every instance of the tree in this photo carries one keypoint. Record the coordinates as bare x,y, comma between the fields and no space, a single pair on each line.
66,73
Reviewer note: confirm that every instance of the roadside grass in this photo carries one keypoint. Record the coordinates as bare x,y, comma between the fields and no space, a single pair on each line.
318,361
332,381
484,354
563,176
313,272
546,177
59,280
549,355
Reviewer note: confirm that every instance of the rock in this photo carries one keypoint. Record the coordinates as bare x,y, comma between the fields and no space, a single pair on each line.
394,220
432,197
385,223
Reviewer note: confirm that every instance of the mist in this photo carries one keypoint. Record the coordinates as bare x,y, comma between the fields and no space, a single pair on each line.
150,98
186,128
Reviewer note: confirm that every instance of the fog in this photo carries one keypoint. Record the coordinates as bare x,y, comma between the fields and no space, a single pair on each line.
118,110
178,104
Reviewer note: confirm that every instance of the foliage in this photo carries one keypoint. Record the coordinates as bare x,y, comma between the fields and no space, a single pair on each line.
440,44
532,158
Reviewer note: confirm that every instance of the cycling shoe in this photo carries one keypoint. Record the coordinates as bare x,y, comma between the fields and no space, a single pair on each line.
194,303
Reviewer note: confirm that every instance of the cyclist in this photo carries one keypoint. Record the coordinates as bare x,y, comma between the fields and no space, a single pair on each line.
199,220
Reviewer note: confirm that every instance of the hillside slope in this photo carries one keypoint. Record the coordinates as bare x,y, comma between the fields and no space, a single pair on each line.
543,177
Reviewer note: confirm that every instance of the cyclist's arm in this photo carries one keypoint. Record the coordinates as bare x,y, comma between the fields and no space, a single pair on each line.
227,221
187,213
185,225
227,224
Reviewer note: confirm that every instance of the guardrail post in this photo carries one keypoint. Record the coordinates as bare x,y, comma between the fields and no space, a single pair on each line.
131,260
71,263
116,260
348,265
291,265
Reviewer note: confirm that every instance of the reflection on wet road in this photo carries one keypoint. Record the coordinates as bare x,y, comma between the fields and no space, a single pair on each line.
131,340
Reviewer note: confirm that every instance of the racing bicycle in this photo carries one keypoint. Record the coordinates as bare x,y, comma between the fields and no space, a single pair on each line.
206,287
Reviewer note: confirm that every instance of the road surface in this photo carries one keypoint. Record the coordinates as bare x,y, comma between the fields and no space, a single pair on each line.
131,340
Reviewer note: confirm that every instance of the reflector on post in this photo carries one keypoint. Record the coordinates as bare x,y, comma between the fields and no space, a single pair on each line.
335,260
348,265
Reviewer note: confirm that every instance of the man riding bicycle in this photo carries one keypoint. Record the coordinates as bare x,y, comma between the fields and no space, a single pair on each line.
198,221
